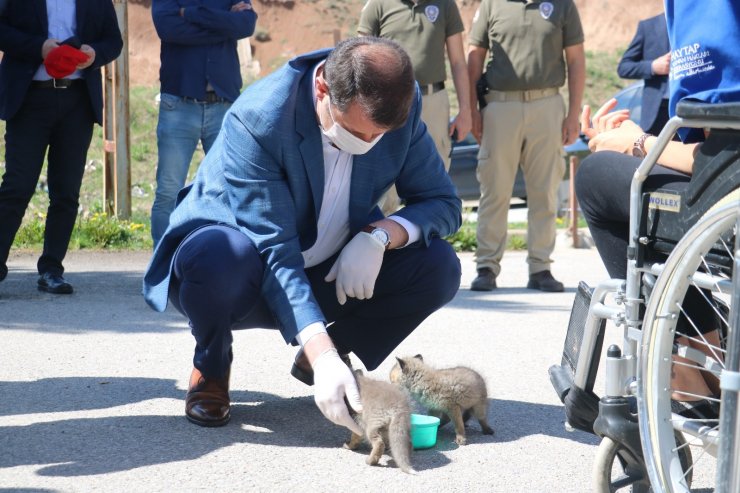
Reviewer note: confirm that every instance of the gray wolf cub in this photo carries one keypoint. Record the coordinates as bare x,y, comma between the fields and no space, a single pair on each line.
386,419
451,391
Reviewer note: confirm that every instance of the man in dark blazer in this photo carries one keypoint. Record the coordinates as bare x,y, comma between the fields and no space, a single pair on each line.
43,113
281,228
648,57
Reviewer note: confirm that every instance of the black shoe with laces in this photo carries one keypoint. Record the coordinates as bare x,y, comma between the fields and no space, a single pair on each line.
486,280
53,283
544,281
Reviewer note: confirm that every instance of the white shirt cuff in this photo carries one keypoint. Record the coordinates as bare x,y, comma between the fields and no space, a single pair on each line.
412,229
309,331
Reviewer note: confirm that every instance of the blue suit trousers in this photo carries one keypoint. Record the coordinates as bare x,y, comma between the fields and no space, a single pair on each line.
216,283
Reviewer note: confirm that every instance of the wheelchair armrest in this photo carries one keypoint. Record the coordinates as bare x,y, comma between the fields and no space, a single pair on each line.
700,110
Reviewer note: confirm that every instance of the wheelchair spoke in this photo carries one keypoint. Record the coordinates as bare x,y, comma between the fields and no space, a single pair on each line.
683,355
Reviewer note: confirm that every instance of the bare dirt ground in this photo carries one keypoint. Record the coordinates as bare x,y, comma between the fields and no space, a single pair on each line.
287,28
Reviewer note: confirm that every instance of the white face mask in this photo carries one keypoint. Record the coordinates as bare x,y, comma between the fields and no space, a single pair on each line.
345,140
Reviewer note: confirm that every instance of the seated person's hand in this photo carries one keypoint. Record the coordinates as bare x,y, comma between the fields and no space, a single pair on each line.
334,380
620,139
609,130
357,268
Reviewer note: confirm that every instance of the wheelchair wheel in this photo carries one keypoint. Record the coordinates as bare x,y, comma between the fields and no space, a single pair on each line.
673,345
614,470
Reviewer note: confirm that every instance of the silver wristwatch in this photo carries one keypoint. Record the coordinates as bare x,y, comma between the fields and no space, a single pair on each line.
380,234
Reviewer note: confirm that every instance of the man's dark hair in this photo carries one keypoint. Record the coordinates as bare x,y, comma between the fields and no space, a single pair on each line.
374,72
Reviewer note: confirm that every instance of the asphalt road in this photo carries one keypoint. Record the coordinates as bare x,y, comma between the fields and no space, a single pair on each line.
92,386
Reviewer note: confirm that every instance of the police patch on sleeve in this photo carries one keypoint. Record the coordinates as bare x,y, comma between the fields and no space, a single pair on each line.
546,9
432,12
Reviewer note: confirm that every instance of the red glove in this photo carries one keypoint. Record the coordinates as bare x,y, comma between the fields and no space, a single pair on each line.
63,60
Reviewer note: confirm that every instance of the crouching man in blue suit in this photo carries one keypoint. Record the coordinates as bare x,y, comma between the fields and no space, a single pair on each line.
280,227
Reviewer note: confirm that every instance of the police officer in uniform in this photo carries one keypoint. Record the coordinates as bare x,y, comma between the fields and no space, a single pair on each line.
424,28
524,123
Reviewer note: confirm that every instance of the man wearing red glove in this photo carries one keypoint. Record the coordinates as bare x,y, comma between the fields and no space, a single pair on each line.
50,97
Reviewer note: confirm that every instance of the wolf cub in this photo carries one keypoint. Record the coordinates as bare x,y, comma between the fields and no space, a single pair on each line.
451,391
386,419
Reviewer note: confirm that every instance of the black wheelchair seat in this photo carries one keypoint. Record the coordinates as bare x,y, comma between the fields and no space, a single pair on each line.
667,214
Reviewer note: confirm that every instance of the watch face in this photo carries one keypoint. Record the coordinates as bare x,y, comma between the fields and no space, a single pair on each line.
381,235
637,152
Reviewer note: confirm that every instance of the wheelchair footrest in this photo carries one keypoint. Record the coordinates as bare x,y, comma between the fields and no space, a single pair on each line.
581,405
573,345
561,379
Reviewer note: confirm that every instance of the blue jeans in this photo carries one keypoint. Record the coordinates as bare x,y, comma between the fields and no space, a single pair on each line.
182,123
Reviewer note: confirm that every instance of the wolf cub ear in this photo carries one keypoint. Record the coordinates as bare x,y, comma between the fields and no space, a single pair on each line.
401,363
418,356
359,372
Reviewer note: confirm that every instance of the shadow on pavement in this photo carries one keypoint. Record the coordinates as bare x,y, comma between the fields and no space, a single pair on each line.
88,446
102,301
527,300
64,394
513,420
100,445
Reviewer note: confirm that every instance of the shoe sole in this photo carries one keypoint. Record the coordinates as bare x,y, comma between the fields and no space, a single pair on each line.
47,289
476,288
208,424
488,287
301,375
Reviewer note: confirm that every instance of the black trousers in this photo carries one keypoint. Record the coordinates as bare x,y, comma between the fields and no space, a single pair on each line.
603,187
216,283
60,121
603,190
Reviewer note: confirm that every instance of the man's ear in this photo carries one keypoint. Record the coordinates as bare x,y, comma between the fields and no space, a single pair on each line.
322,88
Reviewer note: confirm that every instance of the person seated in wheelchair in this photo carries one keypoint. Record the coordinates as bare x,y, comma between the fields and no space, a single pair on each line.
603,180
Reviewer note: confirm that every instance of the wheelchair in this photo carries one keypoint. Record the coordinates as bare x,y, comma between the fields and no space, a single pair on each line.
683,279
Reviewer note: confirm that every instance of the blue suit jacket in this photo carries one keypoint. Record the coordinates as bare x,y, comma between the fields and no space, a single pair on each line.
264,176
24,26
649,43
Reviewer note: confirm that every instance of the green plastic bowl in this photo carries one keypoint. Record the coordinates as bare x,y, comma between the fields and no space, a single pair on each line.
423,431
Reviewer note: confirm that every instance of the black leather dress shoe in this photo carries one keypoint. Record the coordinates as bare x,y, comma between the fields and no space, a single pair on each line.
207,402
302,371
52,283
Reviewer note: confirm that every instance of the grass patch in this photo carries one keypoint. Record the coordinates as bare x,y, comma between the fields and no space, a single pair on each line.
97,231
464,240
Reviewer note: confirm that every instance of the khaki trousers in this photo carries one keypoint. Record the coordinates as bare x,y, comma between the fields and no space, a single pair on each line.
435,113
526,134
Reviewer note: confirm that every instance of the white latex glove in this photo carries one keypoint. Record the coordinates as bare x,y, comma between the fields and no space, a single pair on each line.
357,267
333,380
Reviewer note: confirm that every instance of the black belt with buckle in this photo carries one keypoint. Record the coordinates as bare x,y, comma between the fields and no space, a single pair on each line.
55,83
431,88
211,97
